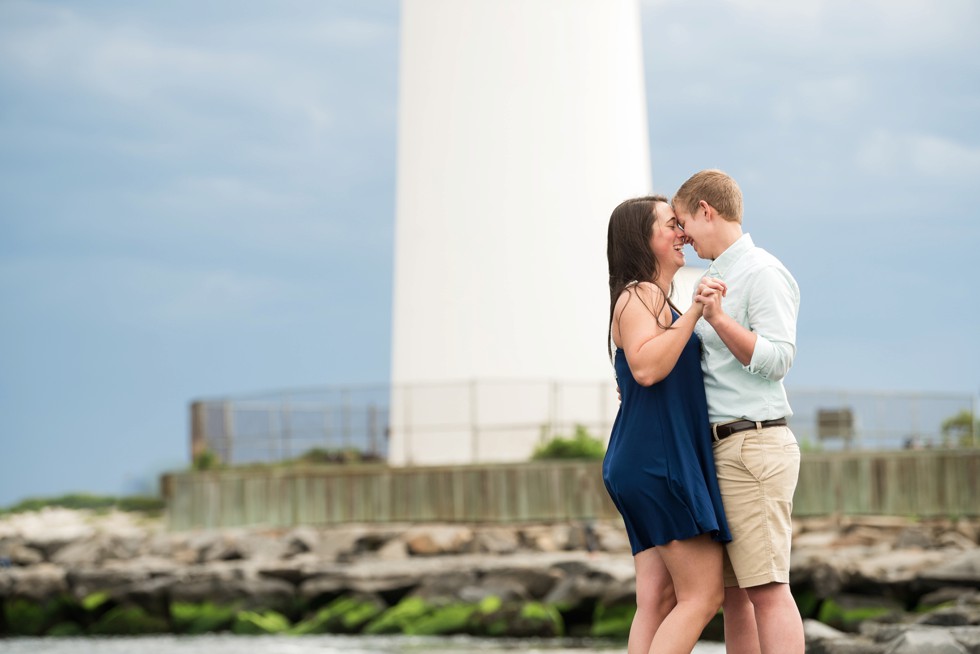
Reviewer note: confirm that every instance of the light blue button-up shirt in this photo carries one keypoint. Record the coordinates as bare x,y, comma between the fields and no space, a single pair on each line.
763,297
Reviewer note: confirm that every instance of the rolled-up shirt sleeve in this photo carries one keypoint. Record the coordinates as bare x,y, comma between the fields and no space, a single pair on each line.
774,303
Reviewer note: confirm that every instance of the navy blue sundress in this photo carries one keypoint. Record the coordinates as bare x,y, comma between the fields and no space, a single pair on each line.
659,469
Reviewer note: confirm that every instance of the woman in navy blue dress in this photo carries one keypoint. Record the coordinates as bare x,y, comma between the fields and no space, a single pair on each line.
659,469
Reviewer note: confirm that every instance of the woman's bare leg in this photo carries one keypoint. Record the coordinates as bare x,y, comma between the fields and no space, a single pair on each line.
695,569
654,599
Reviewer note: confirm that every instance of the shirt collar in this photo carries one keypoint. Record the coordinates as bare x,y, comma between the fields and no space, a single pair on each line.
729,257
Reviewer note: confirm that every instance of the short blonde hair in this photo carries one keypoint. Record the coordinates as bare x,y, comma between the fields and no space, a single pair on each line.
714,187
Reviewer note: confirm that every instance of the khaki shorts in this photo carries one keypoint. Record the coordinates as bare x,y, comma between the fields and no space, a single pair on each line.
757,474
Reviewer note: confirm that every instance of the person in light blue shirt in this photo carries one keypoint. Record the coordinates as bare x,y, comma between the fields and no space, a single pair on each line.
749,343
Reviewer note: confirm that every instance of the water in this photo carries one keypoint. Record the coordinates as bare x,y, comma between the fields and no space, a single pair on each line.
229,644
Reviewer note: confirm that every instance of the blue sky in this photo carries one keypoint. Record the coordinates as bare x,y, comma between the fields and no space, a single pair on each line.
198,200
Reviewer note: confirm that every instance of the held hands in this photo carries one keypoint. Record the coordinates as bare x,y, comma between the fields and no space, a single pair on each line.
709,294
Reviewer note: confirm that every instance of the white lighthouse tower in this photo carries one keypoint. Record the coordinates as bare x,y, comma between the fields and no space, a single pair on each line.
522,123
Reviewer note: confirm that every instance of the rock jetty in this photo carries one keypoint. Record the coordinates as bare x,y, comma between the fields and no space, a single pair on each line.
865,585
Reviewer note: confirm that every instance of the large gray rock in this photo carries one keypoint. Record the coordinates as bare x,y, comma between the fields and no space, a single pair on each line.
49,542
376,539
574,590
894,573
38,583
339,543
814,630
393,550
821,639
496,540
611,537
287,571
970,529
17,553
961,615
153,595
118,575
952,540
815,540
230,584
925,641
438,539
915,536
961,570
300,540
81,553
445,587
968,637
949,594
323,587
506,589
536,582
226,546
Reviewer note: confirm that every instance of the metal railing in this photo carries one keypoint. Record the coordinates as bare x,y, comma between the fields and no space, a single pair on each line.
505,420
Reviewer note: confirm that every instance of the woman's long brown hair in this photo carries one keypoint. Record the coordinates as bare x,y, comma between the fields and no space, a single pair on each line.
629,255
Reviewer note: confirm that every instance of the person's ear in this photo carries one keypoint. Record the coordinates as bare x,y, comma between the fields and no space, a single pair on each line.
707,208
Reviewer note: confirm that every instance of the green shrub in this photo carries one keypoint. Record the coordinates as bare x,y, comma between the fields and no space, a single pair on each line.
66,630
249,623
493,617
346,614
581,446
400,617
444,621
26,618
80,501
961,430
196,619
141,504
129,621
807,602
612,621
849,617
206,460
94,601
540,620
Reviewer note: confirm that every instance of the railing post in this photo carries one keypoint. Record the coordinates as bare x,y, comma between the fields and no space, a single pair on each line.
345,419
975,421
474,424
285,451
409,454
328,427
372,425
228,430
553,408
270,435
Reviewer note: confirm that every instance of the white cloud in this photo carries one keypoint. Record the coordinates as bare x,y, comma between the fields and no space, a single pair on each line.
885,153
142,293
349,32
822,100
901,27
168,80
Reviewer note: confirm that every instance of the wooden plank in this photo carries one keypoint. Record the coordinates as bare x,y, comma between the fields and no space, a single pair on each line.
939,483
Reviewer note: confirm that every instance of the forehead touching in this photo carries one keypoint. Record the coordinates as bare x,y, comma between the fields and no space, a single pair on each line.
663,214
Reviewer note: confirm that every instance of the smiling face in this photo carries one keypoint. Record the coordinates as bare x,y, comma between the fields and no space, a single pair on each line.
694,226
667,239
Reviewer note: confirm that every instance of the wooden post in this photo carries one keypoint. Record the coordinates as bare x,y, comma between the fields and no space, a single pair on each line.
199,435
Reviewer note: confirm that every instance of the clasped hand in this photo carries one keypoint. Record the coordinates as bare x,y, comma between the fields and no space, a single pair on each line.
709,293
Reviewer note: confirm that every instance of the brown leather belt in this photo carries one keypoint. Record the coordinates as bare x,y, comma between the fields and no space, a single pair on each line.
727,429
